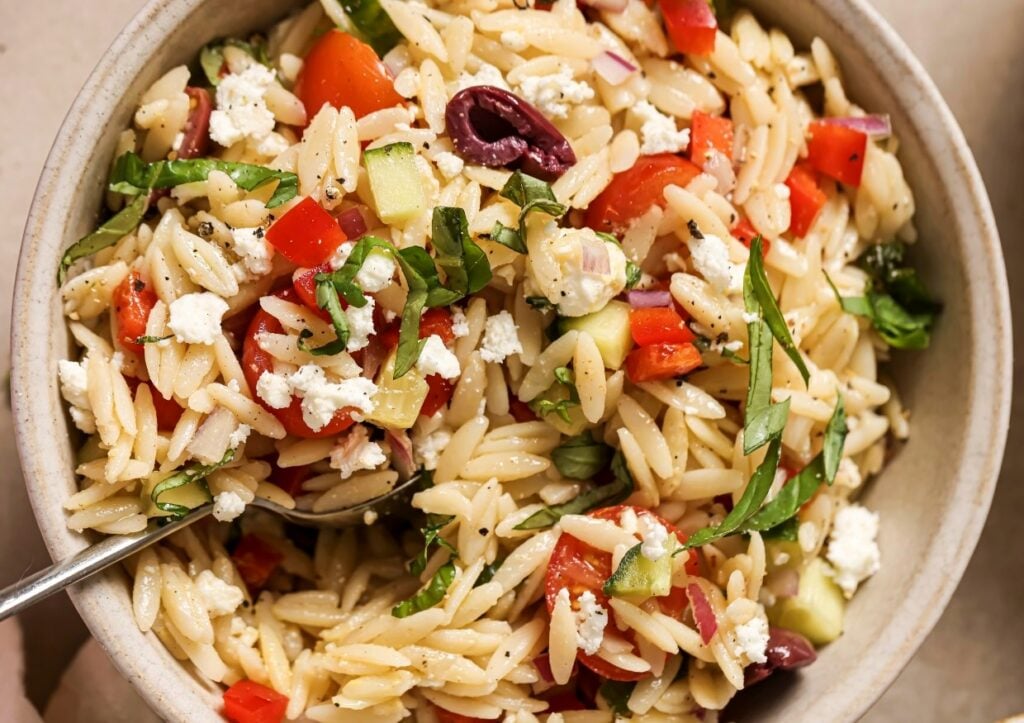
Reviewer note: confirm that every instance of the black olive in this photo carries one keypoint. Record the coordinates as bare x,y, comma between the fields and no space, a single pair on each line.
786,650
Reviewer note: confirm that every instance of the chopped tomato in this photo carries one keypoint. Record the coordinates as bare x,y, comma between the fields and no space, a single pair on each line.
307,235
805,200
691,25
632,193
304,282
745,233
660,325
440,392
133,300
520,410
256,560
837,151
580,568
434,321
255,362
249,702
661,361
709,133
341,71
447,716
563,701
291,479
168,411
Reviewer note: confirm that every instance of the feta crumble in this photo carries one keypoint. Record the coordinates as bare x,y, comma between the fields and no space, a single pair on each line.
196,318
322,399
501,338
436,358
427,448
360,325
227,506
355,452
555,94
238,437
74,386
654,538
252,248
242,112
710,257
219,597
377,272
852,549
658,132
486,74
460,327
273,389
449,164
752,639
591,620
341,254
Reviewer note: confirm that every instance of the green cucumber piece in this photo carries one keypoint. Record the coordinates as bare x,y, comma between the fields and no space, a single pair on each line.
609,328
817,610
638,577
395,182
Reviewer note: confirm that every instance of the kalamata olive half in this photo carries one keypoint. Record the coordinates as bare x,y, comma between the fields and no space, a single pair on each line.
786,650
498,129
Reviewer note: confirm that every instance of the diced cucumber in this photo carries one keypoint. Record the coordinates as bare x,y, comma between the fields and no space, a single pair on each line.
817,610
640,578
191,495
395,182
610,329
558,392
397,403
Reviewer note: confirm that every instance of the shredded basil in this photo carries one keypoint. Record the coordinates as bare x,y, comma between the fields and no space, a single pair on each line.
464,264
530,194
211,57
116,228
540,303
429,596
373,24
143,340
616,694
431,537
193,473
603,496
543,406
487,574
706,345
770,311
581,457
327,299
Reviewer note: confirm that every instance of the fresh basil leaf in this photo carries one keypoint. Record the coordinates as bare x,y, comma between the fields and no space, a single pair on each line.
487,574
510,237
464,264
706,346
143,340
633,274
211,57
431,537
771,313
603,496
540,303
373,23
581,457
616,694
429,596
896,326
530,194
116,228
564,375
561,407
885,264
193,473
787,531
328,300
835,438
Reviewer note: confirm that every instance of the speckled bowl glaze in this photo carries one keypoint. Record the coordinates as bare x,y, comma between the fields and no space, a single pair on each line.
933,497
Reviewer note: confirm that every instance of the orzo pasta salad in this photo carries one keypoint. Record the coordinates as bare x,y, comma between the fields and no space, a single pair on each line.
611,279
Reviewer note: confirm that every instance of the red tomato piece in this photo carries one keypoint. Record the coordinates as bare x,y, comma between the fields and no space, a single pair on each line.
341,70
632,193
249,702
439,393
805,200
691,25
168,411
304,283
660,325
661,361
434,321
307,235
291,479
256,560
255,362
745,233
837,151
133,301
709,133
580,568
520,410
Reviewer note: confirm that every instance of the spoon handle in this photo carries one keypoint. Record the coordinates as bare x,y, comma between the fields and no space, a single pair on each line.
103,554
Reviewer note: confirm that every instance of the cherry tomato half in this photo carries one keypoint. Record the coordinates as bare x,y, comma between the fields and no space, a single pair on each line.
249,702
133,300
632,193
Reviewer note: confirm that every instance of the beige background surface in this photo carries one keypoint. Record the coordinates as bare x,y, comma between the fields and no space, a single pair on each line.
970,669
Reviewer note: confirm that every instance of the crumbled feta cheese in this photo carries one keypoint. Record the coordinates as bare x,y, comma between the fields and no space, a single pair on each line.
74,386
486,74
341,254
360,325
252,248
227,506
196,318
460,327
852,549
436,358
655,538
752,639
355,452
273,389
514,41
501,339
322,399
219,597
553,95
591,620
710,257
849,475
449,164
238,437
242,112
273,145
377,272
658,132
559,270
427,448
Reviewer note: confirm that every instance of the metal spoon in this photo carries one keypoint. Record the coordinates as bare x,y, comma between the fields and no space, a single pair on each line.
103,554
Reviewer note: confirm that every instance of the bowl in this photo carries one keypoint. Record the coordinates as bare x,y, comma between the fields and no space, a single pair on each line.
933,496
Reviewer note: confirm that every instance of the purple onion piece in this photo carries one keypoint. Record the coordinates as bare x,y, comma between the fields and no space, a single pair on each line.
786,650
876,126
650,299
498,129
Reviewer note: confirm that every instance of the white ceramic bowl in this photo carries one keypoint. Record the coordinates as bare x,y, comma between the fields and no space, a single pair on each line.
933,497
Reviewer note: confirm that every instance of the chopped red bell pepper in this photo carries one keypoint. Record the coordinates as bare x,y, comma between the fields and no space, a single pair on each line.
304,281
805,200
660,325
520,410
249,702
256,560
661,361
133,300
307,235
434,321
709,133
439,392
168,411
837,151
745,233
691,24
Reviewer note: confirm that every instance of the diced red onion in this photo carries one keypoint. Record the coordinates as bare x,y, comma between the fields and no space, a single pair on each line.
352,223
595,257
649,298
401,452
613,67
703,614
719,166
615,6
373,356
876,126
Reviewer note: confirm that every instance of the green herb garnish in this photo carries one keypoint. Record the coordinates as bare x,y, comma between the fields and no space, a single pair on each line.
603,496
373,24
429,596
616,694
530,194
193,473
581,457
211,57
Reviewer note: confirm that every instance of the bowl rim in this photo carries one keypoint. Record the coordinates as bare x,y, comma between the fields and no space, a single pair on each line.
127,56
